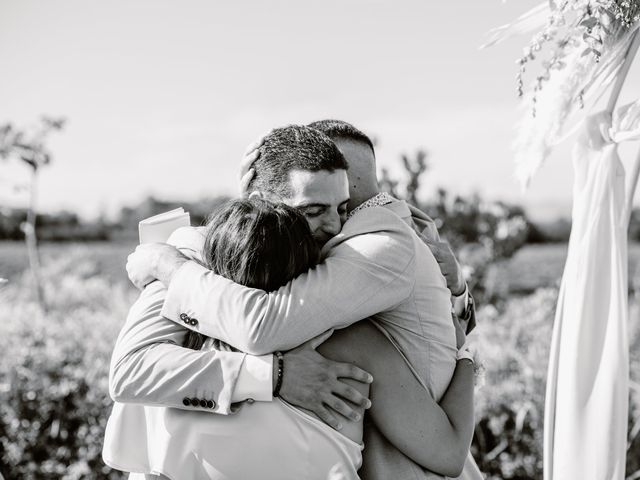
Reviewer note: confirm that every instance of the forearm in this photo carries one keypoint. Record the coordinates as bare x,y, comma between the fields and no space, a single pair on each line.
333,295
168,375
457,405
434,436
150,366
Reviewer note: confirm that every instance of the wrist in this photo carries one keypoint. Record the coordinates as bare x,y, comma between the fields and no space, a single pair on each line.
274,374
165,268
467,351
461,290
279,372
465,355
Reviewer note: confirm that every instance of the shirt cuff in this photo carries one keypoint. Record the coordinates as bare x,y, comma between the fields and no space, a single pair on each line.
460,302
255,380
183,278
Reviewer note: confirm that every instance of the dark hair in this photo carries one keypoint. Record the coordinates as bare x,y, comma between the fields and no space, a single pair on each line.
259,244
294,147
338,129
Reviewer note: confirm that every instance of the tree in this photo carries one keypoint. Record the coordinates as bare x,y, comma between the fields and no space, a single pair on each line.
29,147
415,169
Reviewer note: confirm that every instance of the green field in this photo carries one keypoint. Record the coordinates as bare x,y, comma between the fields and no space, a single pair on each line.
532,267
54,400
110,257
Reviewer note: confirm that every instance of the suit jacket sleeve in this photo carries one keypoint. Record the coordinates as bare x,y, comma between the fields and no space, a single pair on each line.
368,270
149,366
427,230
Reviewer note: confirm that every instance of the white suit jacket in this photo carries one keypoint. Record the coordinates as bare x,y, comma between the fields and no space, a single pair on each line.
376,267
150,370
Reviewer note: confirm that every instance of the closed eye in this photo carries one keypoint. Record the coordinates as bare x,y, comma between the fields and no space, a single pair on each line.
313,212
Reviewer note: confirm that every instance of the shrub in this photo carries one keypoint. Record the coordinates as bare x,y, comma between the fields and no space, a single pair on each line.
514,347
54,398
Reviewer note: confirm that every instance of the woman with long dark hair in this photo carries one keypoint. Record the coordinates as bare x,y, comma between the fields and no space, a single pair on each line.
264,245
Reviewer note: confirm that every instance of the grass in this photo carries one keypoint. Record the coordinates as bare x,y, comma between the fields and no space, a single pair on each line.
532,267
109,258
53,371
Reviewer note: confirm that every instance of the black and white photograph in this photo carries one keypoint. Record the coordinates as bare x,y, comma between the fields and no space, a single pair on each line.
338,240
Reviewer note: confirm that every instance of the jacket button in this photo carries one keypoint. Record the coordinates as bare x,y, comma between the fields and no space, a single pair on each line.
193,322
183,316
195,401
203,403
212,403
186,402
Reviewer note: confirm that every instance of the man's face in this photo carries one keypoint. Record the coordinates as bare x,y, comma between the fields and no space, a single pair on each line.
322,197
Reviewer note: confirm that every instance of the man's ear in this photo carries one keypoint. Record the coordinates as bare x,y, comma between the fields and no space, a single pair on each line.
269,196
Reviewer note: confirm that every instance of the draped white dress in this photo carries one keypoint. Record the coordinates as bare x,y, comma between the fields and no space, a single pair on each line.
587,385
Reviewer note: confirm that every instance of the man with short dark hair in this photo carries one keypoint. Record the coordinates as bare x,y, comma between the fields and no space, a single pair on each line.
293,148
307,169
339,129
375,271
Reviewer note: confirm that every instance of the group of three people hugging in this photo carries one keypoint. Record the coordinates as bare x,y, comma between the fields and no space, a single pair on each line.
313,329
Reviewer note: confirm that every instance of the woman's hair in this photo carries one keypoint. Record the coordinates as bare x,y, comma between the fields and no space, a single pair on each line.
259,244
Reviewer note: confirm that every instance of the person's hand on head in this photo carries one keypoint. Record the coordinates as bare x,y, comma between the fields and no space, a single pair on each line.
247,172
153,261
449,266
313,382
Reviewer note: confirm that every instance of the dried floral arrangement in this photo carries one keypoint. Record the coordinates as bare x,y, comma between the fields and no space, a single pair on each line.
578,48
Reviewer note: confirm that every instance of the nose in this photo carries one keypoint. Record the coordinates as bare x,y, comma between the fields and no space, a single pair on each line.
332,224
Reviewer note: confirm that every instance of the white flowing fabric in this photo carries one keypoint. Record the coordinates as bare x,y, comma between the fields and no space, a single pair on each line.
585,433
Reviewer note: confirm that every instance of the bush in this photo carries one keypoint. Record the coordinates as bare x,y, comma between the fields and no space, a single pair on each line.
54,399
514,347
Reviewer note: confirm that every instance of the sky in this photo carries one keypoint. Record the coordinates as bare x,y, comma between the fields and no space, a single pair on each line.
162,97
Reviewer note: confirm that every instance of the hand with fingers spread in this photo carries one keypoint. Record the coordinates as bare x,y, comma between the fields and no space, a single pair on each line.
247,172
449,266
312,382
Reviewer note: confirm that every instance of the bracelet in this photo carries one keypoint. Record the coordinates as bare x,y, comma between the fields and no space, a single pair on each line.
280,357
465,355
466,351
